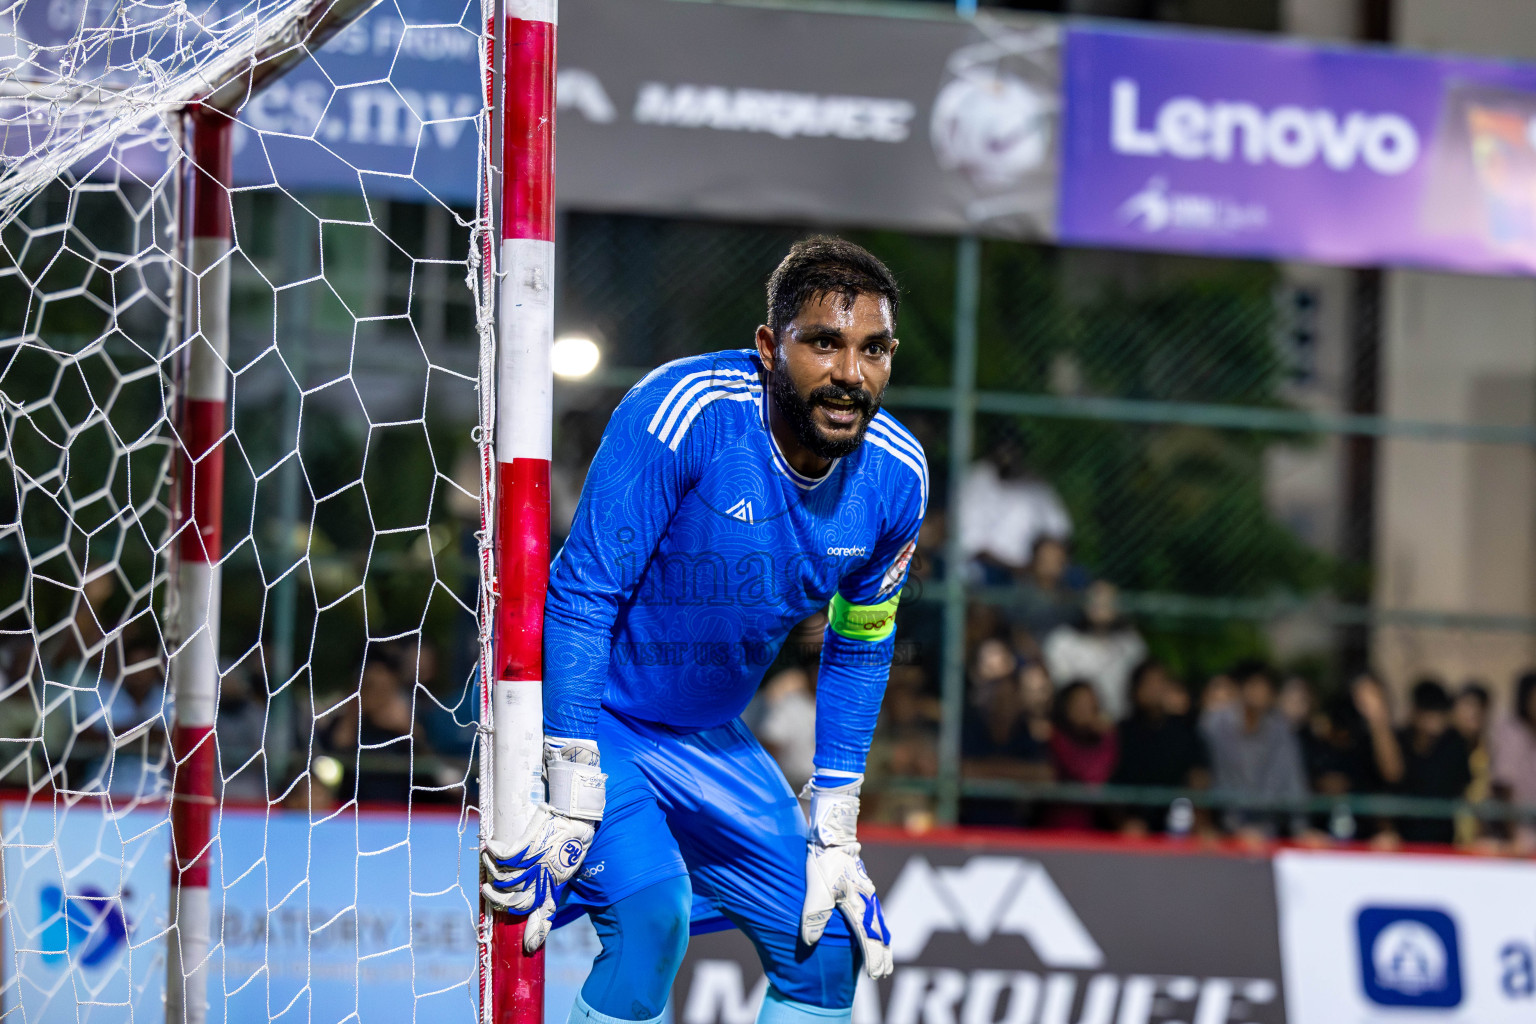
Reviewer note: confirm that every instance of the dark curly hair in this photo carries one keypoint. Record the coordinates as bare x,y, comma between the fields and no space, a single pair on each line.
823,265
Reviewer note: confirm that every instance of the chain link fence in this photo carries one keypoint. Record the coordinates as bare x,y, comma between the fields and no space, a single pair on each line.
1209,429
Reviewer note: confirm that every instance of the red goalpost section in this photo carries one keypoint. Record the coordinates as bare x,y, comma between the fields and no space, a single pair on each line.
200,505
202,421
522,107
518,263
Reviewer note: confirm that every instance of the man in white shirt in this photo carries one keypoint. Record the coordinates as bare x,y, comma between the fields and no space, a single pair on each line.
1003,512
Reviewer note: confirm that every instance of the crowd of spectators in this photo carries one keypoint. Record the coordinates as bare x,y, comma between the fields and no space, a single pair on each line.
1268,742
90,712
1265,741
1060,688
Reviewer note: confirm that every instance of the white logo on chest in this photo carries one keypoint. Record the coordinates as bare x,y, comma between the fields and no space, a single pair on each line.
741,510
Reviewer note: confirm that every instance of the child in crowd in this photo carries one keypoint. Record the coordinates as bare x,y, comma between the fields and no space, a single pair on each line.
1084,749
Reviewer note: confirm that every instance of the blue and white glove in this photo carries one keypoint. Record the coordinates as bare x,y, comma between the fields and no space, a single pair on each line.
523,876
834,871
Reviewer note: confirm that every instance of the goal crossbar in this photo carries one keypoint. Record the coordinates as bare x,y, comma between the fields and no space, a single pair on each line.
104,114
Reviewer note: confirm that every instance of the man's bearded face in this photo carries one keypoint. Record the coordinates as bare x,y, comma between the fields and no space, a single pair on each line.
849,411
831,367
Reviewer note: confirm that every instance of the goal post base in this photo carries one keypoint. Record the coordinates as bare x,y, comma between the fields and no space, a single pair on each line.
518,994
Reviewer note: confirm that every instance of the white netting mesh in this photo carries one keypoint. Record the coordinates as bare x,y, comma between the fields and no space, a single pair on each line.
342,877
77,75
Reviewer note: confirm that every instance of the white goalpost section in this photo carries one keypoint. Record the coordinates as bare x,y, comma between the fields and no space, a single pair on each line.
519,202
241,588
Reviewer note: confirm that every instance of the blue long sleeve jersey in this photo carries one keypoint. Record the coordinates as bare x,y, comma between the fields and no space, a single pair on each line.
696,548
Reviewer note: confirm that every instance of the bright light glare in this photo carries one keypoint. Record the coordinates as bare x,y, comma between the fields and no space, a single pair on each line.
328,771
574,356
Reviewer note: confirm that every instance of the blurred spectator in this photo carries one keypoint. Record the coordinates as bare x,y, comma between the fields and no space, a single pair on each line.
1039,695
1176,700
1157,748
1295,702
74,661
910,733
1514,760
920,633
241,725
1469,713
1359,752
905,746
983,622
20,746
447,730
1369,698
993,665
1084,749
1312,726
1254,753
1435,761
312,794
1046,598
1314,733
419,663
1219,692
380,731
448,713
1003,511
788,726
81,647
133,721
1100,648
1469,716
997,741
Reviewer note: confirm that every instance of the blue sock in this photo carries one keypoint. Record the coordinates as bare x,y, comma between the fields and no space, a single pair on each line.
780,1009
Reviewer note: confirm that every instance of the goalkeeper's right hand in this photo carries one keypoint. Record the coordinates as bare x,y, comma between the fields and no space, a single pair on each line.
523,875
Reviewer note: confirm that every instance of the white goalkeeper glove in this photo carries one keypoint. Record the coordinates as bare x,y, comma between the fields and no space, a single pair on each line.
835,875
522,876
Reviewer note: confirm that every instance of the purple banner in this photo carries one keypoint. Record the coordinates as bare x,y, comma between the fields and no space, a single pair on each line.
1228,147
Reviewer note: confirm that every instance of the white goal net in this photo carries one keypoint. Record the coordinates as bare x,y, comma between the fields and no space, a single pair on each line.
336,564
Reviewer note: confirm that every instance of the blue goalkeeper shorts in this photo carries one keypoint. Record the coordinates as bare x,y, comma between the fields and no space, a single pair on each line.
711,805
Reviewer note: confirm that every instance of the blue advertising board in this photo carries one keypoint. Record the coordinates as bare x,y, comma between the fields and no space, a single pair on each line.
1250,147
389,107
367,916
85,910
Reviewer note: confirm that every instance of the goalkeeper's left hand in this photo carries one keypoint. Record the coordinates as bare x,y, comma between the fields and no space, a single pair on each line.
523,875
835,875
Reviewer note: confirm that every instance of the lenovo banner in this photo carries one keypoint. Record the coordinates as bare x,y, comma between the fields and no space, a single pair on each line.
1023,934
1227,146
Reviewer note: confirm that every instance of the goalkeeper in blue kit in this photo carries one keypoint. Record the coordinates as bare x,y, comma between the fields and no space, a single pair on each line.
733,495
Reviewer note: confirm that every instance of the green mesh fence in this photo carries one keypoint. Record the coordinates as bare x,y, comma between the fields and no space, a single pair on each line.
1154,395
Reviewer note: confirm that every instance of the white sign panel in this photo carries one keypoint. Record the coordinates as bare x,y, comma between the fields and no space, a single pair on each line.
1384,939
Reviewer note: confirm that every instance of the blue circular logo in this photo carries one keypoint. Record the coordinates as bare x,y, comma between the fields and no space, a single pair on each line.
571,851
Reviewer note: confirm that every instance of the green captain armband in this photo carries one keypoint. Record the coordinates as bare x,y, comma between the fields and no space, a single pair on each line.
871,622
